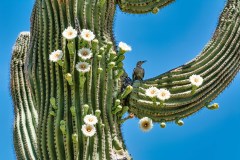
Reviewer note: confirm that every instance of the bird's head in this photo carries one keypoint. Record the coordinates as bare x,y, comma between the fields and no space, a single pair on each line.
139,63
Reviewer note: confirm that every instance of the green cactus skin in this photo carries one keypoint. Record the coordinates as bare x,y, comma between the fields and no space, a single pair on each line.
26,116
51,99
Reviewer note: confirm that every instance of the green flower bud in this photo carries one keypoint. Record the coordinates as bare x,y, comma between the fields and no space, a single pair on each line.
85,109
75,138
68,77
117,102
118,109
179,122
162,124
52,113
73,111
213,106
97,113
127,91
155,10
99,57
100,70
111,65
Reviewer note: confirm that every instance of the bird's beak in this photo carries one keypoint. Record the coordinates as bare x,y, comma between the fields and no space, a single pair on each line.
144,61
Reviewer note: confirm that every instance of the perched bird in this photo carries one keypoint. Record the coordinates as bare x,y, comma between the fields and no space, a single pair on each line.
138,72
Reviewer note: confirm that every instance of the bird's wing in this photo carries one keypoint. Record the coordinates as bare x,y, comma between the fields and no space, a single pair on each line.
143,73
133,74
218,64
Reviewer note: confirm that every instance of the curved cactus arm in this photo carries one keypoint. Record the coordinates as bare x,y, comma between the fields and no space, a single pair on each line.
26,117
218,64
142,6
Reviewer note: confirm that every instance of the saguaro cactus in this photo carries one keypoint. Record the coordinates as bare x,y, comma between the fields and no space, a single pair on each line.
68,85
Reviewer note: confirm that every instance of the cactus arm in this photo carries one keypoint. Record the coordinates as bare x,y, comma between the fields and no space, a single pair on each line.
26,117
218,64
142,6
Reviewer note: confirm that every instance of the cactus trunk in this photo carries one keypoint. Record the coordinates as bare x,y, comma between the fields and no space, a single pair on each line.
62,102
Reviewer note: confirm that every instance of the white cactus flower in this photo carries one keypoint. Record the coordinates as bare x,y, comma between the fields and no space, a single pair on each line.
145,124
87,35
196,80
163,94
90,119
123,46
85,53
152,92
56,56
83,67
88,130
69,33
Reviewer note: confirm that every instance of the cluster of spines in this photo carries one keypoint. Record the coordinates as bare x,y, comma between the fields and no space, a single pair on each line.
218,65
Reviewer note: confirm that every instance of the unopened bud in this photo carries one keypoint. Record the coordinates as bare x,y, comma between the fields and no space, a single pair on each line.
75,138
97,113
179,122
162,124
85,109
100,70
68,77
155,10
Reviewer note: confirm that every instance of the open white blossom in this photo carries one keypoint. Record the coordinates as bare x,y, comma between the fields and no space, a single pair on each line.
69,33
56,56
196,80
85,53
145,124
90,119
123,46
163,94
87,35
83,67
152,92
88,130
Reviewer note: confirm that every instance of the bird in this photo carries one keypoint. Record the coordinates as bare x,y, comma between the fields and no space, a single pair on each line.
138,72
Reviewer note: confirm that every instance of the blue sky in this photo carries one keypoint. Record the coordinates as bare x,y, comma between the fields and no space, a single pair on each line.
166,40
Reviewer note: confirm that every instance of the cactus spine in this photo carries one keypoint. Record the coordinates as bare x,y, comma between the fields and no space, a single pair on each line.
51,99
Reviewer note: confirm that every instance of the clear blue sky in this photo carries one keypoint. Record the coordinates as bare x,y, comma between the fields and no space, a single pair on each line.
166,40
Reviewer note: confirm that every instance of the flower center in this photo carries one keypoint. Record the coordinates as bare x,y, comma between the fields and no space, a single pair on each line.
89,129
84,53
163,94
70,33
87,35
145,125
90,119
56,55
83,66
196,80
153,92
